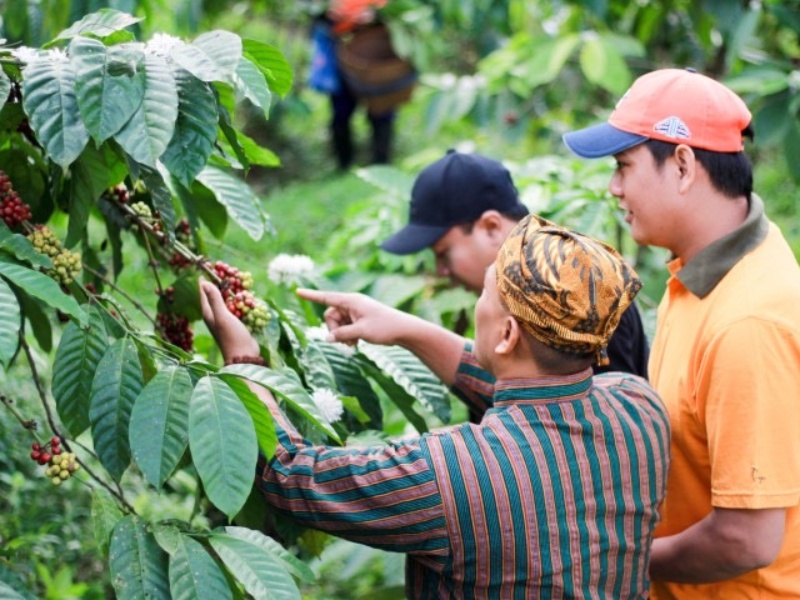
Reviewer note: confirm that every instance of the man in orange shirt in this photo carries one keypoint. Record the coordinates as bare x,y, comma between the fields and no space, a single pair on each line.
726,355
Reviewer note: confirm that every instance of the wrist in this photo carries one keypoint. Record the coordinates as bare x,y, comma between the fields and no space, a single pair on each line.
246,359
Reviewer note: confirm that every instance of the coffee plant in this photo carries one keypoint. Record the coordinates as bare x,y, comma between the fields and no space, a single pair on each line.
111,148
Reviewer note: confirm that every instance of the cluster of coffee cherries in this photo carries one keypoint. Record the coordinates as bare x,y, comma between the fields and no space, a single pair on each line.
61,465
118,193
175,328
241,302
66,264
12,209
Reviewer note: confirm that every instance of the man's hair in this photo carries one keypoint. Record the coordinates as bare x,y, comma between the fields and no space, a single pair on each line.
515,214
730,172
556,362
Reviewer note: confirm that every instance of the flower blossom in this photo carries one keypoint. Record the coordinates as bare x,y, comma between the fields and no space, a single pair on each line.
26,54
289,268
57,55
162,44
322,333
328,403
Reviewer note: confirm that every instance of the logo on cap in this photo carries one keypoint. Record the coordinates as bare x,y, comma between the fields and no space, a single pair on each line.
674,128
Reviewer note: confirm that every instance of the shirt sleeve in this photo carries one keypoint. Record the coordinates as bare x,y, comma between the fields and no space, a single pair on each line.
382,496
473,384
749,401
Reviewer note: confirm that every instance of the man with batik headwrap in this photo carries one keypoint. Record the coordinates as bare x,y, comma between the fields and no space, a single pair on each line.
554,493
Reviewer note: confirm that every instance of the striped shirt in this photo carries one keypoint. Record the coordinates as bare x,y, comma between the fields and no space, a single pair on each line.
554,494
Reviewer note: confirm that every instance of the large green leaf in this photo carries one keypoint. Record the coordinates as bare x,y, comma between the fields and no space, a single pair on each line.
255,154
251,83
412,375
195,130
285,384
352,381
271,63
223,444
22,248
603,65
5,87
263,575
102,23
42,287
48,92
88,181
194,575
265,426
148,132
162,198
105,516
242,204
223,49
117,382
39,321
9,324
293,564
138,564
78,355
396,393
109,84
159,429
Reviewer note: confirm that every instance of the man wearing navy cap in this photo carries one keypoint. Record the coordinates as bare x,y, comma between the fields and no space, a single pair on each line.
462,207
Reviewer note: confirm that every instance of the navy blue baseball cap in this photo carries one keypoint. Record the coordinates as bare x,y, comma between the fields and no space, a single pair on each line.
455,189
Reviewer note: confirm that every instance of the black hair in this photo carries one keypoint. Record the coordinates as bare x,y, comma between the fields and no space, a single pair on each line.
515,213
730,172
554,361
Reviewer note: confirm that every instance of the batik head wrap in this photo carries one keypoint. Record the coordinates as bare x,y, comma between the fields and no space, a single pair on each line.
566,289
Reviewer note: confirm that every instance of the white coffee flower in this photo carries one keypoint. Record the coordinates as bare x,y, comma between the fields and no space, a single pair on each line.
318,333
162,44
26,54
57,55
289,268
328,403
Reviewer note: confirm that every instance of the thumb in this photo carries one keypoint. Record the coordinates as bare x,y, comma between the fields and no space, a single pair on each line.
346,334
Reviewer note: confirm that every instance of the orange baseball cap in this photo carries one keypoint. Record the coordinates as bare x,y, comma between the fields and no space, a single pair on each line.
673,105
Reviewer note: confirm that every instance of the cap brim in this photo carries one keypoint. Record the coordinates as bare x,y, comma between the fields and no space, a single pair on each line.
413,238
601,140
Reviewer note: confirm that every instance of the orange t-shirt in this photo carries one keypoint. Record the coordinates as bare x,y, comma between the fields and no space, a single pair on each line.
727,366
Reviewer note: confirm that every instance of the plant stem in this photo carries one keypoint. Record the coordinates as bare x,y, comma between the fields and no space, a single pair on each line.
43,397
120,291
29,424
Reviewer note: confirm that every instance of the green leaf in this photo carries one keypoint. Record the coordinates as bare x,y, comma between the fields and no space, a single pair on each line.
39,321
78,355
159,428
603,65
9,593
5,87
41,287
396,393
223,49
89,175
102,23
285,384
263,575
148,132
242,204
223,444
412,375
105,515
293,564
138,564
265,426
110,84
10,323
388,179
167,536
48,92
161,197
116,384
255,154
22,248
195,130
352,381
271,63
194,575
251,83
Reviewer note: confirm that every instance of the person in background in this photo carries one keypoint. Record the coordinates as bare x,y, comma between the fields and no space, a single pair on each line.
726,354
462,207
555,493
342,17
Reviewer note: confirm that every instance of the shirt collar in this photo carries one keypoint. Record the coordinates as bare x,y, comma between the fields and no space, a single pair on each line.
707,268
542,389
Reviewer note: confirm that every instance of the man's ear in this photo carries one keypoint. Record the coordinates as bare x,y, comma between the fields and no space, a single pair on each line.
511,336
686,163
491,222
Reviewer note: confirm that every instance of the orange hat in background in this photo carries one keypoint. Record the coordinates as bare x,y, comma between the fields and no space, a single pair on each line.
346,14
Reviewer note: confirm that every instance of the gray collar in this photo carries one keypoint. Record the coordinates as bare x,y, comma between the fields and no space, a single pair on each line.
707,268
